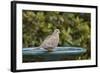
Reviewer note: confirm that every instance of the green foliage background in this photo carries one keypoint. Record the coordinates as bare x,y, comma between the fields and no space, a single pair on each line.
75,28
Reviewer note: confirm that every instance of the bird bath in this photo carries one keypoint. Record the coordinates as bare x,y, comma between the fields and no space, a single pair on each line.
58,54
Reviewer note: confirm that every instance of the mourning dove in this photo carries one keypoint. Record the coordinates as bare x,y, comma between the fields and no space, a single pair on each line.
51,41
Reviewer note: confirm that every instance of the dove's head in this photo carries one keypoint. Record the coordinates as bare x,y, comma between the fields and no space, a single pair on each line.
57,31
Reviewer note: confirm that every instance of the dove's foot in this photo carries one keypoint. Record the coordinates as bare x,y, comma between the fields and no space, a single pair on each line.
49,50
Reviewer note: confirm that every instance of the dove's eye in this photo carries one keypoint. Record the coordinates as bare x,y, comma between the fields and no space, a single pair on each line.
57,31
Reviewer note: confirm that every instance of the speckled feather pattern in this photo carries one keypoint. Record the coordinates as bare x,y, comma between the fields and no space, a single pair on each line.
51,41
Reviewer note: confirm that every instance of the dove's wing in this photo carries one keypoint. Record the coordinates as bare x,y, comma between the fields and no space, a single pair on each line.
45,41
50,42
48,37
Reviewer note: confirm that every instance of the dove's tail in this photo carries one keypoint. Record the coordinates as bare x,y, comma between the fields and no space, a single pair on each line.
39,48
35,48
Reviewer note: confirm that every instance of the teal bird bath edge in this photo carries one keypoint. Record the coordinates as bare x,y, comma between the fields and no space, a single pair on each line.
58,54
